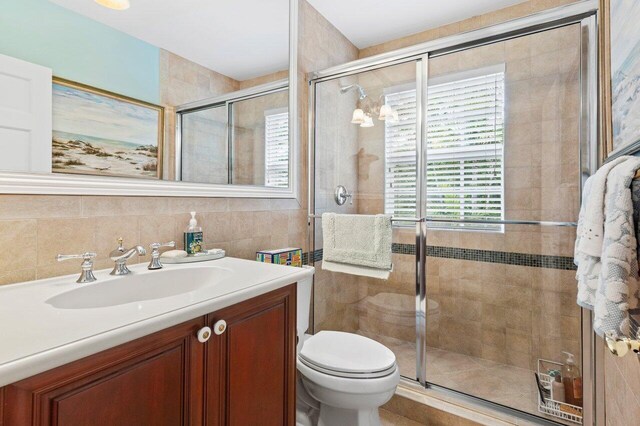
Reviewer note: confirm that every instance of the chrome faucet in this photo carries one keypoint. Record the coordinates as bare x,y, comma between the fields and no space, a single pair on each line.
86,276
155,254
120,256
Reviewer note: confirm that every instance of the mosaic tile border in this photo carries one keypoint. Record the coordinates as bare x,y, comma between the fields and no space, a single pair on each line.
564,263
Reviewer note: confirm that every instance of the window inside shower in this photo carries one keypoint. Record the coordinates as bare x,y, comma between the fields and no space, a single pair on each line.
465,155
500,137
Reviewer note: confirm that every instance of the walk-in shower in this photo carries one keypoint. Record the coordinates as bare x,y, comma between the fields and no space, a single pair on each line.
477,145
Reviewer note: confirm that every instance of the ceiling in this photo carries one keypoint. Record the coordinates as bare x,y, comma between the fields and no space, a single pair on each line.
241,39
370,22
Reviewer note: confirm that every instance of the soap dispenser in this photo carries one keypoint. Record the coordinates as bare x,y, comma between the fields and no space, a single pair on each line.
572,381
193,236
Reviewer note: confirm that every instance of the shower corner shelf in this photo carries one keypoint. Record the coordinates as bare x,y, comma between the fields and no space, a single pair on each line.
562,410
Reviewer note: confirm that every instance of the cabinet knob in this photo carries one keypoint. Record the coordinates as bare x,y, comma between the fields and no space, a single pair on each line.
220,327
204,334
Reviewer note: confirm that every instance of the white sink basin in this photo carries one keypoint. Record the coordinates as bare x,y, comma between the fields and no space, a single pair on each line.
139,288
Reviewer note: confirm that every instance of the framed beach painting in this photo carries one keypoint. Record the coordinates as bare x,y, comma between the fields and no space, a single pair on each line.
96,132
620,68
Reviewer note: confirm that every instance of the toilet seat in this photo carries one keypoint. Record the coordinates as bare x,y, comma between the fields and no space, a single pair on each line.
347,355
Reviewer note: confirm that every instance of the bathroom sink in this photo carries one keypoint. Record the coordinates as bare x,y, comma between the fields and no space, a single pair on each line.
139,287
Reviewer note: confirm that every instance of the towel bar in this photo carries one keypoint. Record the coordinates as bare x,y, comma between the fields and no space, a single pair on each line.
486,222
393,219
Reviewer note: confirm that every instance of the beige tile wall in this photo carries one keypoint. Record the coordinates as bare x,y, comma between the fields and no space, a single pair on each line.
622,383
333,292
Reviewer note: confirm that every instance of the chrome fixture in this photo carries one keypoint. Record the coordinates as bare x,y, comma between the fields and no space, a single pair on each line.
366,108
341,195
357,87
86,276
155,254
120,256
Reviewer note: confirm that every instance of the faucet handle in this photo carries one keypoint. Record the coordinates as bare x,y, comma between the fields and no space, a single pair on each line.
156,246
88,256
86,276
155,254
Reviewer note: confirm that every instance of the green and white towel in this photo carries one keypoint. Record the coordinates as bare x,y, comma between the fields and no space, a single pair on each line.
357,244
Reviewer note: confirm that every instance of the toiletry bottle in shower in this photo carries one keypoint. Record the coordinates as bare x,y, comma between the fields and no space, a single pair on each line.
557,387
193,236
572,381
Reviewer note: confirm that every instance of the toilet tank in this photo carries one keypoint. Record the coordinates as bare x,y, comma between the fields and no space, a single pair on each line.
303,308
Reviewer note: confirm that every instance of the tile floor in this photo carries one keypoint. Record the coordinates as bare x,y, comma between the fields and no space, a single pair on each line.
387,418
503,384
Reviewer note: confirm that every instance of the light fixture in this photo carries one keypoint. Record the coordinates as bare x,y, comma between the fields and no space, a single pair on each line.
368,121
114,4
358,116
366,108
386,113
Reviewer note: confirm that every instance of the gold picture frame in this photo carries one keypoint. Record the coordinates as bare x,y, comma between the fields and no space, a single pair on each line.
606,127
121,143
616,112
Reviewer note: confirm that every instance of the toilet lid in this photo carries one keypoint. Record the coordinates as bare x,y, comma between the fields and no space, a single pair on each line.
347,353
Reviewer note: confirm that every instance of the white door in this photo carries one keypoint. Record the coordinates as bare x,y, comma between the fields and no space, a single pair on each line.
25,116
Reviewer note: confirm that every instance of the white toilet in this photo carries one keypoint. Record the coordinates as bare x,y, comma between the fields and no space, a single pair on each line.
343,378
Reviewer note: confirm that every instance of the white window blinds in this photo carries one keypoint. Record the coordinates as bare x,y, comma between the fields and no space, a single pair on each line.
465,139
276,159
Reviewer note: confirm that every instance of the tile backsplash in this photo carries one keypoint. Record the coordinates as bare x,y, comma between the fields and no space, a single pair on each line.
36,228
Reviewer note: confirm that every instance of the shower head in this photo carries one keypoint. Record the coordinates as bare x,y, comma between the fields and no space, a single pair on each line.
350,87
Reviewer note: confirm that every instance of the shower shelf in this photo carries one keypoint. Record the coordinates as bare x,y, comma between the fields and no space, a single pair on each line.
551,407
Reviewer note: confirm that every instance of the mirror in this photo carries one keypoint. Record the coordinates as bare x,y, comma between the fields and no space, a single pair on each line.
186,92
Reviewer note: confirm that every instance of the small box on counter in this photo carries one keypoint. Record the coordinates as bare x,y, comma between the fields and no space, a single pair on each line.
286,256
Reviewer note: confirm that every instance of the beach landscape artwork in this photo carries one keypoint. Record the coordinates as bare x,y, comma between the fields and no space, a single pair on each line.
625,73
99,133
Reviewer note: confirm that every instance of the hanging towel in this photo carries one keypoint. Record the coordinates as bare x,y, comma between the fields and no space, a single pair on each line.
590,234
591,219
608,283
357,244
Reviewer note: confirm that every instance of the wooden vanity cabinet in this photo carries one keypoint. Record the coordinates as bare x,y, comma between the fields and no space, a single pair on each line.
243,376
251,366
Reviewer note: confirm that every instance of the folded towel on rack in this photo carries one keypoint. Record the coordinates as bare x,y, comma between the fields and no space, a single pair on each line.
381,274
608,281
357,244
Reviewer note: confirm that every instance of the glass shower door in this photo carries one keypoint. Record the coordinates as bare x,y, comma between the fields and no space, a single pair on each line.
365,140
502,157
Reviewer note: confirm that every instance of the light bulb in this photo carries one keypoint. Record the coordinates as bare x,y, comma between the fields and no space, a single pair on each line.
358,116
114,4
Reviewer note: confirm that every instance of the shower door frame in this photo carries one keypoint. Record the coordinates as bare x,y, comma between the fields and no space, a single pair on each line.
584,13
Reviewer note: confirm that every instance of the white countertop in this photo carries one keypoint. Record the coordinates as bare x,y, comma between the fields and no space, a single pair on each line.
36,336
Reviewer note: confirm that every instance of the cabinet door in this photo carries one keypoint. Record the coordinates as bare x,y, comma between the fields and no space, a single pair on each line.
156,380
251,366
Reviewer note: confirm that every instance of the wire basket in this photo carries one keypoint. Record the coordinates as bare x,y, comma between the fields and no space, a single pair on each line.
562,410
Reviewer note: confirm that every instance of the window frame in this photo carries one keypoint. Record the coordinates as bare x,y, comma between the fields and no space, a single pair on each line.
440,80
